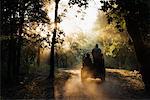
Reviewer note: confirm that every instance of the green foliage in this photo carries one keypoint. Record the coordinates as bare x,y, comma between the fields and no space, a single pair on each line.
71,51
125,12
80,3
111,50
28,56
133,15
112,40
4,37
124,59
15,12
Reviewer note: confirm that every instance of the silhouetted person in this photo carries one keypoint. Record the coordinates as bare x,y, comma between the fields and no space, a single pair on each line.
87,62
96,53
98,62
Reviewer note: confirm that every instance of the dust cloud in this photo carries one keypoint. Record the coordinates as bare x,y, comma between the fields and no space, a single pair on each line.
75,89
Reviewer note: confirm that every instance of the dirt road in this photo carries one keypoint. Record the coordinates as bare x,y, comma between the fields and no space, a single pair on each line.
119,85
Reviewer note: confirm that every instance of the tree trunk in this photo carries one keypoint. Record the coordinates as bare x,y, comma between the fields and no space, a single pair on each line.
142,51
38,56
52,62
12,60
19,45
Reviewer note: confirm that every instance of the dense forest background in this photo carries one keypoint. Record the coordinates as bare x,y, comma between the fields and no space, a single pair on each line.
30,37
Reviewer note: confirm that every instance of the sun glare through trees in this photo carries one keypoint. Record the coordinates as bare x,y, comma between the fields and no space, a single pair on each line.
75,49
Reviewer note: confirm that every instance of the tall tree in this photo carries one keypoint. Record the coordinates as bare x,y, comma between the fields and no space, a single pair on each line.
14,14
134,14
52,54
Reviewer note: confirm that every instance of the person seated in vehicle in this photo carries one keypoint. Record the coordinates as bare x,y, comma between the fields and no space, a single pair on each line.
98,60
87,65
96,53
87,61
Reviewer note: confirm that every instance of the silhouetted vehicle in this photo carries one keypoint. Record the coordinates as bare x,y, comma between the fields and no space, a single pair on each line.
92,70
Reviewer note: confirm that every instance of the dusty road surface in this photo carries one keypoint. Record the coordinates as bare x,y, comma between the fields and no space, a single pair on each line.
119,85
